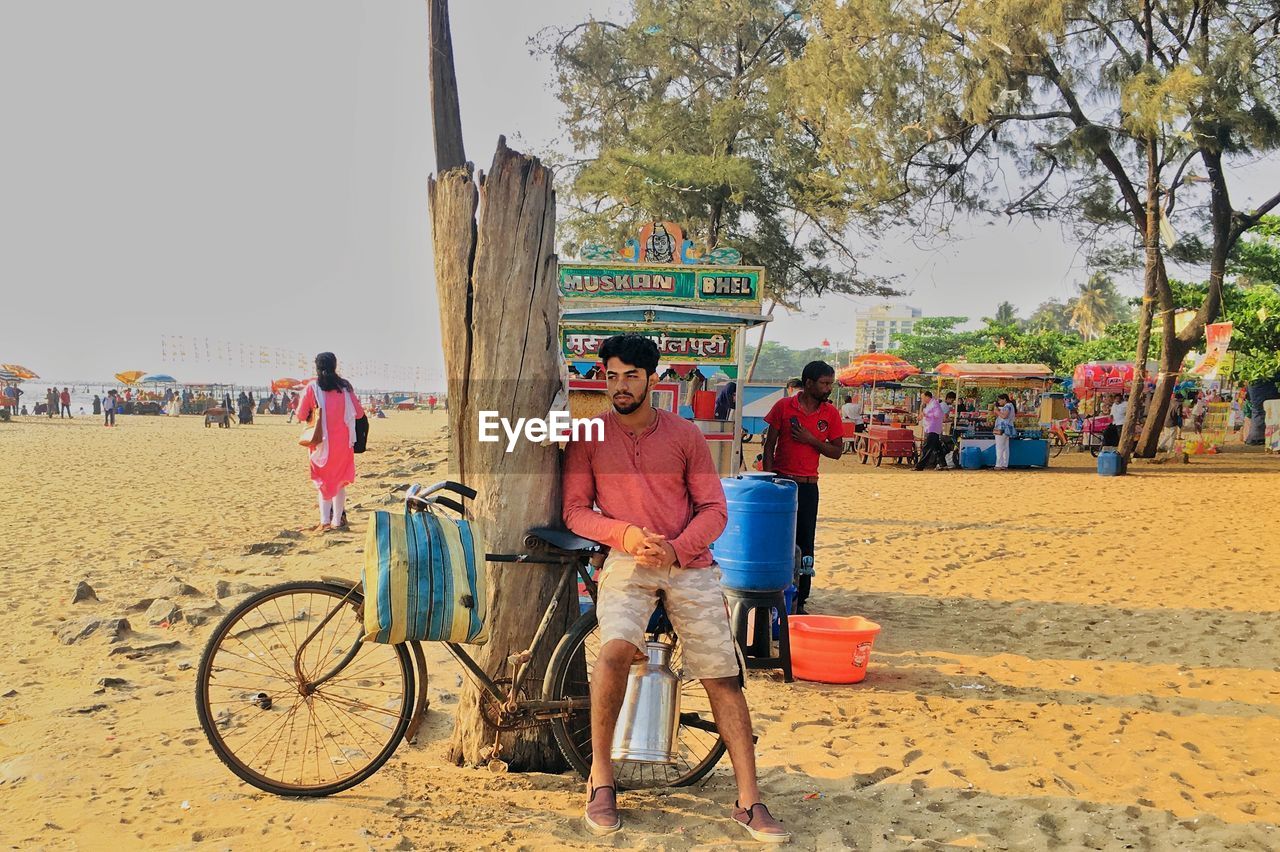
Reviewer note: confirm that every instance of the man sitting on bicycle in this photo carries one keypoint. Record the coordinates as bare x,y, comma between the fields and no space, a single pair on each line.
660,505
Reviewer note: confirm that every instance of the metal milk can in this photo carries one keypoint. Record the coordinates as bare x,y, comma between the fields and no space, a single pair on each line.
650,715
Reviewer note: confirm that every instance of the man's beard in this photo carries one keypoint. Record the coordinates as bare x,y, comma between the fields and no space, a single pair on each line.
624,410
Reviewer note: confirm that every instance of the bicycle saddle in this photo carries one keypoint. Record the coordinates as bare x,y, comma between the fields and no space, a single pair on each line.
566,540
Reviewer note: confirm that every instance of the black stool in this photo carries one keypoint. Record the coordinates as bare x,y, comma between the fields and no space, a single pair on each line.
758,654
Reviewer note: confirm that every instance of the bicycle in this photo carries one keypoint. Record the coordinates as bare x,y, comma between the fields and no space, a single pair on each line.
295,703
1079,439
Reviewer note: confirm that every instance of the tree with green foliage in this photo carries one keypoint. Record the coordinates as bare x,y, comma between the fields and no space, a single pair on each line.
1250,302
1097,304
1050,315
1254,307
681,111
778,363
1006,314
1120,117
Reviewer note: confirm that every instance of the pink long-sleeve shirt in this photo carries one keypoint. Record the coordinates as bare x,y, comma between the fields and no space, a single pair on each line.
662,479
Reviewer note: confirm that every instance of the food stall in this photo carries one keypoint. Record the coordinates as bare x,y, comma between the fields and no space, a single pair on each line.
696,307
1028,448
885,434
1097,384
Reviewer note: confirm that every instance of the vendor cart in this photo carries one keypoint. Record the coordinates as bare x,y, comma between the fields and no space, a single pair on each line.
880,441
1028,448
695,307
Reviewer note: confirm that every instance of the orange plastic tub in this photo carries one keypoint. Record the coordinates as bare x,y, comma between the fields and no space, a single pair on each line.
831,648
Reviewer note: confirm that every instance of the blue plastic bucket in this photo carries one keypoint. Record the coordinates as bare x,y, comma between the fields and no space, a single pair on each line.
1110,463
971,458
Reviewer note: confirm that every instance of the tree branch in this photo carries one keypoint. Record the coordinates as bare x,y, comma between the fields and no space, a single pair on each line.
1103,150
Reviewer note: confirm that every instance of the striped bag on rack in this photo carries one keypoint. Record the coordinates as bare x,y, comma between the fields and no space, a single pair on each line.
424,579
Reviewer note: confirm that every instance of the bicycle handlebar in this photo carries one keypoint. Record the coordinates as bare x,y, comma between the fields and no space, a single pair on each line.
428,496
447,485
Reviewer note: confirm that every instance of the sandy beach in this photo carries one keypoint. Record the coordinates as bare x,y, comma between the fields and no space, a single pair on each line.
1052,672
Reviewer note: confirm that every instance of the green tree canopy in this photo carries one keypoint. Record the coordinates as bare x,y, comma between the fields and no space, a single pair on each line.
681,111
778,363
1051,315
1097,304
1057,108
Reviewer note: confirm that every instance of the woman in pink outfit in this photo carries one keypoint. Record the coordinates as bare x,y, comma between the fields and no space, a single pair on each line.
333,463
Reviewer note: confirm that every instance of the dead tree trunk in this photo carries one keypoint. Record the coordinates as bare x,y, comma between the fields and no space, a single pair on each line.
442,83
499,314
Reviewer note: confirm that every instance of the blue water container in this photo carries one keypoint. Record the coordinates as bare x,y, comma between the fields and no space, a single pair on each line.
756,551
1110,463
971,458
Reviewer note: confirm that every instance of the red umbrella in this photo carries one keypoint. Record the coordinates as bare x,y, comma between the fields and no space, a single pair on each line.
286,384
875,367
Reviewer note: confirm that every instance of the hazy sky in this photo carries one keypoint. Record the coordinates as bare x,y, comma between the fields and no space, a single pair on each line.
255,173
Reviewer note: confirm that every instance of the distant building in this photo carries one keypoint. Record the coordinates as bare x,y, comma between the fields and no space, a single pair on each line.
881,326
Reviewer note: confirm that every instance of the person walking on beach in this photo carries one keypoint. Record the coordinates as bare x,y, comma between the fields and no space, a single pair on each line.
650,491
932,415
64,401
802,428
1172,424
333,462
51,402
109,408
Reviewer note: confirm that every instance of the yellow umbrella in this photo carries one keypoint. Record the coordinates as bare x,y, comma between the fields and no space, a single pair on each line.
130,377
20,371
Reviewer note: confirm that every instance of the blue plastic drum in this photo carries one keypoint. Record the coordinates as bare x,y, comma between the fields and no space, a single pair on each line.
756,551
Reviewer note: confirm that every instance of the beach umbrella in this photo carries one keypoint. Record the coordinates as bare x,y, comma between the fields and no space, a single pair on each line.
130,377
157,379
875,367
286,384
20,371
6,376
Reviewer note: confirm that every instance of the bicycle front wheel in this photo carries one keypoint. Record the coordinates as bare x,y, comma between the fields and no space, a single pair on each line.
285,704
699,744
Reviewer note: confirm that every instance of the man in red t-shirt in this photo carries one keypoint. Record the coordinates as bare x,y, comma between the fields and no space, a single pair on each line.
802,428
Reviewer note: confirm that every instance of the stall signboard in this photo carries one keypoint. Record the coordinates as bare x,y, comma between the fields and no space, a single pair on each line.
726,287
676,344
660,266
1212,363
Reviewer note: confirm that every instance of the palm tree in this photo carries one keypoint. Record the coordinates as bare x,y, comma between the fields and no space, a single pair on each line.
1094,307
1006,314
1050,316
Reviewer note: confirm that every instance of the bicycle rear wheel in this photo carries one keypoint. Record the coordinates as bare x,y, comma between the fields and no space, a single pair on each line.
700,745
262,711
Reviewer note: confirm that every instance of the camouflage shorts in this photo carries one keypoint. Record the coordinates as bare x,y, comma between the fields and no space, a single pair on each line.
694,603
